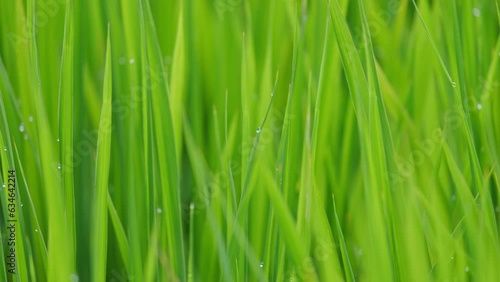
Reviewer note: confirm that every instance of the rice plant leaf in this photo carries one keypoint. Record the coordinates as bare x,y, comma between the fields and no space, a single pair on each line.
348,272
177,82
66,125
59,267
287,227
164,146
121,236
100,235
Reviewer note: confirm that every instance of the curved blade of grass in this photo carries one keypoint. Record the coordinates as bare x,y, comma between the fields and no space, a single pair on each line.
487,122
373,142
476,170
66,125
443,65
305,193
59,267
349,274
250,165
352,64
6,165
231,194
287,227
241,212
100,234
177,82
42,247
281,163
164,143
121,236
198,161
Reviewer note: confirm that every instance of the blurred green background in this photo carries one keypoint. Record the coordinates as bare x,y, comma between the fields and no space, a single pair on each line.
231,140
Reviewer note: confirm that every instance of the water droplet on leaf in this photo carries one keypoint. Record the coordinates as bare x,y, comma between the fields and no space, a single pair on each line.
74,278
476,12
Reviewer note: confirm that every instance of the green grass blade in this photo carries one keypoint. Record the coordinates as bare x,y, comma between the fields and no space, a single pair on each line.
59,267
66,126
121,236
100,234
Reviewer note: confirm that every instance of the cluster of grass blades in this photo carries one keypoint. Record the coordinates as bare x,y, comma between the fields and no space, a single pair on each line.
222,140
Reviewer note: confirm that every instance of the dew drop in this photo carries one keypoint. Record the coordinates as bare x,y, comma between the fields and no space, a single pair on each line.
476,12
466,269
59,166
3,185
159,210
454,84
58,140
74,278
261,265
5,148
479,106
131,61
36,230
258,130
21,127
191,206
452,258
30,118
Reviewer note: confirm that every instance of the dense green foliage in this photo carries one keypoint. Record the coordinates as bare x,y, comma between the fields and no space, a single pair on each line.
231,140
